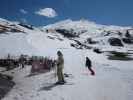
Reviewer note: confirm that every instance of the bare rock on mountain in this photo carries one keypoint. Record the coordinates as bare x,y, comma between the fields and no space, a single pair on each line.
115,42
127,40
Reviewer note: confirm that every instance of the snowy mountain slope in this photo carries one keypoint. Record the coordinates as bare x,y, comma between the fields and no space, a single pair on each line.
76,35
14,39
15,44
9,26
27,41
92,34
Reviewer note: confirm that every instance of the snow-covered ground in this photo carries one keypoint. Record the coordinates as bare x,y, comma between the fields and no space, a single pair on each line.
113,79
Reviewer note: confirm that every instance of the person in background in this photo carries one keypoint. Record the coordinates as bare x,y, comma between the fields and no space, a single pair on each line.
22,61
89,66
60,66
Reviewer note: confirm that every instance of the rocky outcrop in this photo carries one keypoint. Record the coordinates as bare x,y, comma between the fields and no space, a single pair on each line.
90,41
4,29
115,41
127,40
26,26
79,45
67,33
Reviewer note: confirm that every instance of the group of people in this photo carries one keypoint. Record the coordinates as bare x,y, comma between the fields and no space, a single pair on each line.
60,66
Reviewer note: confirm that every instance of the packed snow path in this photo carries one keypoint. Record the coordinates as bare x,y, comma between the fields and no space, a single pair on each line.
113,80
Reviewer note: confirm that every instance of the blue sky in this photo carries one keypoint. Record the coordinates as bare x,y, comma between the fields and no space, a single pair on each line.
116,12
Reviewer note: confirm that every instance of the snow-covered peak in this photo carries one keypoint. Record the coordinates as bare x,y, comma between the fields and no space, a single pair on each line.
1,19
4,21
7,22
86,26
83,23
14,26
71,24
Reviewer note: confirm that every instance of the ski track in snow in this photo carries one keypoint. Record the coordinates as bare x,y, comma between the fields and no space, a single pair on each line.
110,82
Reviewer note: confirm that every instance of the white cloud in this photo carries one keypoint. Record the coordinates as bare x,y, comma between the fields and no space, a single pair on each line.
23,11
47,12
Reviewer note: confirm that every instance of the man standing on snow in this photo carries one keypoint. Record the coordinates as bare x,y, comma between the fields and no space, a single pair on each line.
89,65
22,60
60,66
